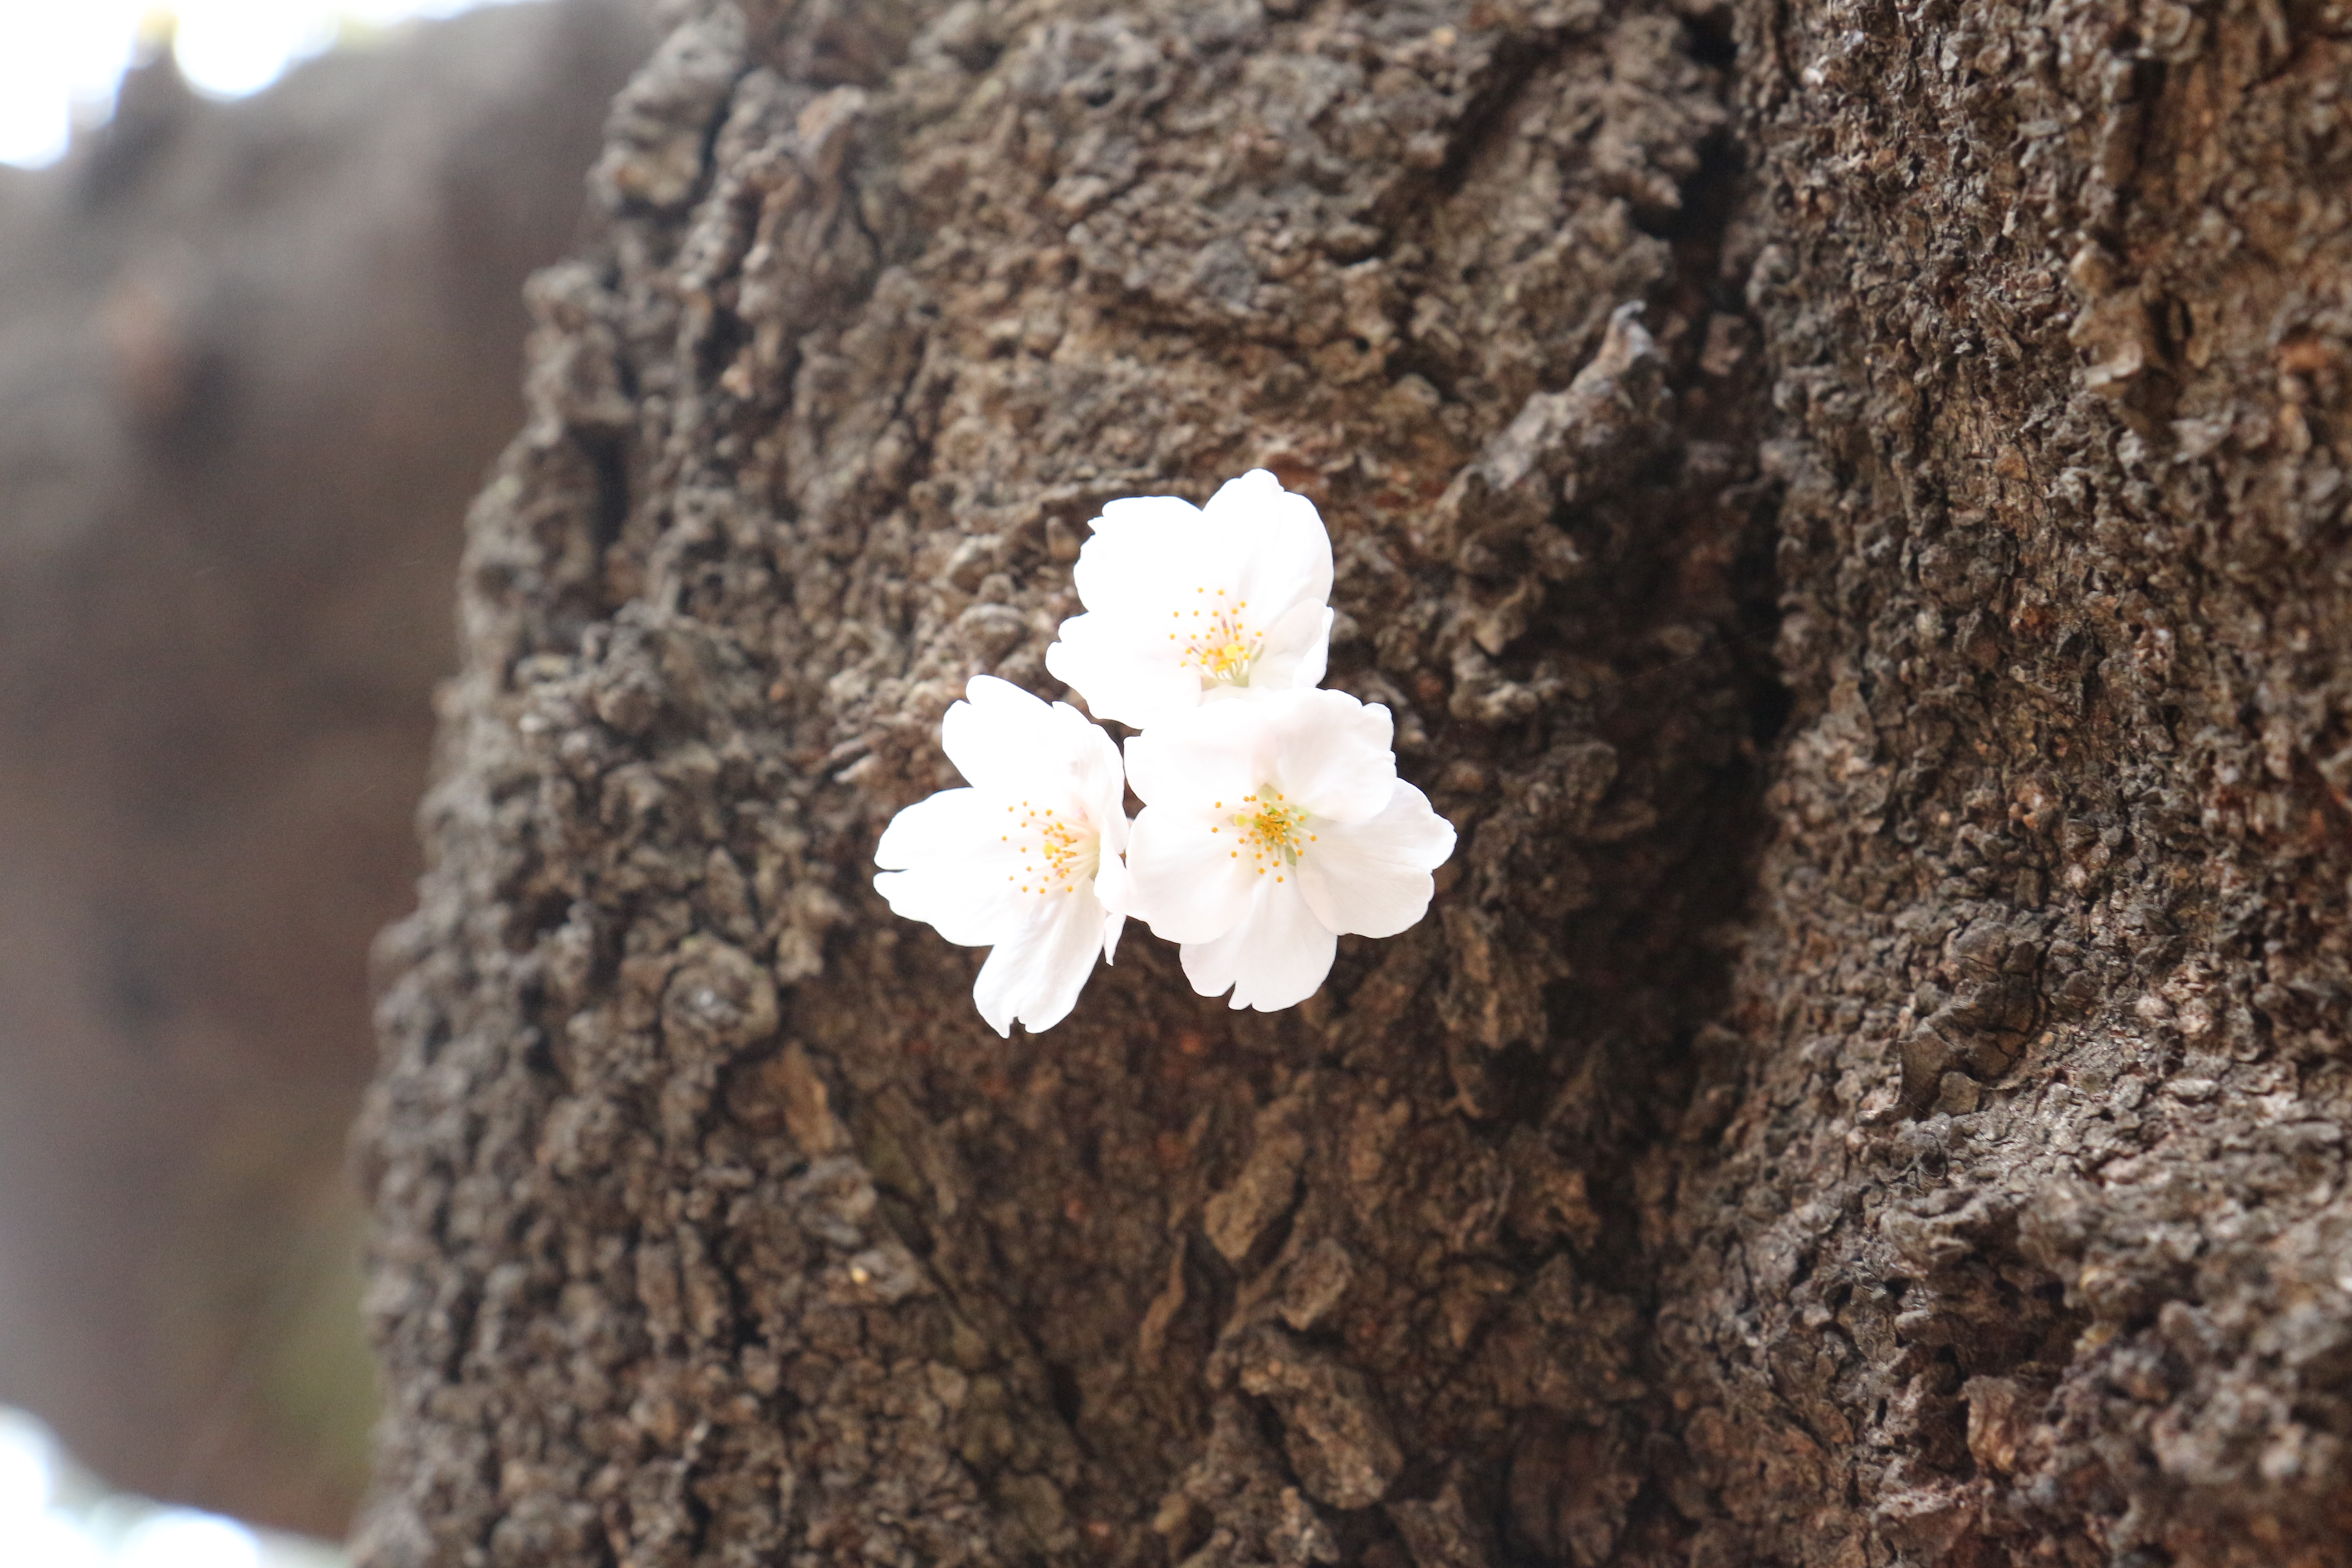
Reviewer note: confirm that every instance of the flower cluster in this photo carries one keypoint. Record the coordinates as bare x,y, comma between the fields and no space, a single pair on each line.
1273,824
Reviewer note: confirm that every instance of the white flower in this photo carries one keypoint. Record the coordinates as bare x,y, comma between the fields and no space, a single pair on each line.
1186,602
1269,829
1026,860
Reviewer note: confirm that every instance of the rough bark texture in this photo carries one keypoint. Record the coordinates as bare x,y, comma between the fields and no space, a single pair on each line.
1866,1092
254,357
2029,1241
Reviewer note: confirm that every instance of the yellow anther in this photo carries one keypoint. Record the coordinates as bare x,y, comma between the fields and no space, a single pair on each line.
1223,650
1273,829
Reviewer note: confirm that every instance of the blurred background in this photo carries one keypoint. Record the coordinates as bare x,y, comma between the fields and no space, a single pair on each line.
260,263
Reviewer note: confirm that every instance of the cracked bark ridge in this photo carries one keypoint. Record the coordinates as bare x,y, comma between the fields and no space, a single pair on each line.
2027,1243
712,1224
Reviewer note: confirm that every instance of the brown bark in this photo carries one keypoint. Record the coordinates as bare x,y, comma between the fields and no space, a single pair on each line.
253,359
1839,500
2030,1213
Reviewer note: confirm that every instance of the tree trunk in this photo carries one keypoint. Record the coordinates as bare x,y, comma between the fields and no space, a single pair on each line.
1840,498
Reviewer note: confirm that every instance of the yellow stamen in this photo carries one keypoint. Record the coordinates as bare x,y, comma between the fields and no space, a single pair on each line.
1223,650
1271,831
1066,850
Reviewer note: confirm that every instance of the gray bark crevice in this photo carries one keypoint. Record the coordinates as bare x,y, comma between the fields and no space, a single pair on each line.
1865,1092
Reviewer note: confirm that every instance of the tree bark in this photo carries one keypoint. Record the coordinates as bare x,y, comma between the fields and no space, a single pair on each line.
1841,501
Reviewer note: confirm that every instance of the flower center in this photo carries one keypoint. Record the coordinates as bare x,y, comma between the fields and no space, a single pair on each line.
1273,830
1215,638
1055,855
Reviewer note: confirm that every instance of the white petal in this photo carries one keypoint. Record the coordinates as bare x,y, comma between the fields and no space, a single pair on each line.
949,860
1317,661
1099,777
974,740
1019,749
1111,886
1188,882
1246,494
1371,879
1190,761
1147,511
1120,677
1140,549
1297,646
1034,976
946,825
1275,958
1113,892
1092,772
1002,738
1330,753
971,904
946,862
1286,555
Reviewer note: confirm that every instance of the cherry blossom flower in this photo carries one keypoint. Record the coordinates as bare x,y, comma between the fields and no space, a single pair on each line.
1187,603
1026,860
1270,829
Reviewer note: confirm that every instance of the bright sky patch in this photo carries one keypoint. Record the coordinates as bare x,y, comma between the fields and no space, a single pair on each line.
60,59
